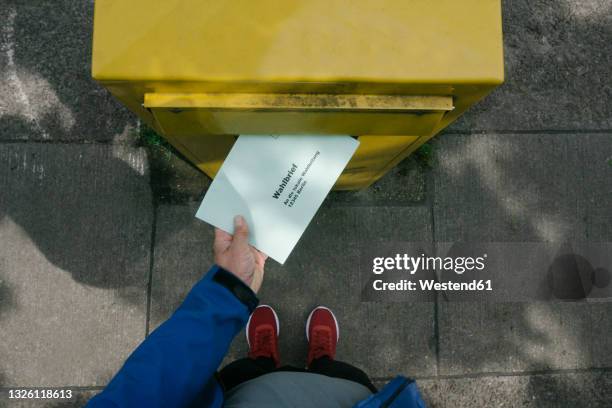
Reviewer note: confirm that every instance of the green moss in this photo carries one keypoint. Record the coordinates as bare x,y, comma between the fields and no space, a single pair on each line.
610,162
173,178
157,144
425,155
150,138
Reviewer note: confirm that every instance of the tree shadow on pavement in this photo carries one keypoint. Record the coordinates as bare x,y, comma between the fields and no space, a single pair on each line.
47,89
507,195
85,199
88,212
88,207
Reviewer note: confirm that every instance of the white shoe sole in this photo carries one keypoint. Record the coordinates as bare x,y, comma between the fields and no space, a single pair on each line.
333,315
249,323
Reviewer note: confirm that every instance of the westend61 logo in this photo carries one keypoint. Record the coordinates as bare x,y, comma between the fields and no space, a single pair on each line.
489,272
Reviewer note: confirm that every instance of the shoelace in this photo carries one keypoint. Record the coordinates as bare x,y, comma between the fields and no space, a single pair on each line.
264,342
321,342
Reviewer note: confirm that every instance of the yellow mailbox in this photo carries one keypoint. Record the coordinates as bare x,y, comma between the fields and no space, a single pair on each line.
391,72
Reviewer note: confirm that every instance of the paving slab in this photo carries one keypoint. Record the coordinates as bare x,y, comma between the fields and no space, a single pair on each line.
321,270
75,235
46,90
507,188
523,188
557,55
174,180
183,254
516,337
584,389
595,198
402,185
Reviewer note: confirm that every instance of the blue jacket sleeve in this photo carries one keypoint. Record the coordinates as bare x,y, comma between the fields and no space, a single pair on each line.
177,362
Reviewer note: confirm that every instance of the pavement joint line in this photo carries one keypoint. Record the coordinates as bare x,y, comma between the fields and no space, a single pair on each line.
429,202
494,374
151,265
408,204
583,178
67,142
526,373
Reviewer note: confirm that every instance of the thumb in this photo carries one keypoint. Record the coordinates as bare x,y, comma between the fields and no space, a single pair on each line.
257,279
241,230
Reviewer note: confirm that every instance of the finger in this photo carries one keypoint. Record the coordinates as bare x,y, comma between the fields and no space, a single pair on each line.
241,231
263,256
257,279
257,253
221,235
222,240
260,260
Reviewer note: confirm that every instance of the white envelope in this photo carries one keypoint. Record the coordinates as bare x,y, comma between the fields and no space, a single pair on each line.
277,183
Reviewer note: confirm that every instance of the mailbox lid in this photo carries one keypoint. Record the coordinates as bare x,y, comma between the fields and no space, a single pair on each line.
255,44
186,115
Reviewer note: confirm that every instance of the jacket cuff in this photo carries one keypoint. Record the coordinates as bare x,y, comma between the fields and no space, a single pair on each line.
238,288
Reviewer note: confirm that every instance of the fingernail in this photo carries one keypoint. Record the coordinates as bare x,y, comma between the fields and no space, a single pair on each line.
239,221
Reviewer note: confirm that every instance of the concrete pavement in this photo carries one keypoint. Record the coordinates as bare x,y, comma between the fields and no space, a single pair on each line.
98,243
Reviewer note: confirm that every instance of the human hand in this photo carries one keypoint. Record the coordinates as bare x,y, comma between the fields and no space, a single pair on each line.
234,254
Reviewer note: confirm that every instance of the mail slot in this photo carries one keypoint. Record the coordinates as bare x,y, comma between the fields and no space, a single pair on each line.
390,72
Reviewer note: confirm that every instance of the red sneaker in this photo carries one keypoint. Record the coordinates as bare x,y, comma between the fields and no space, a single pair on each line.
262,334
322,333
